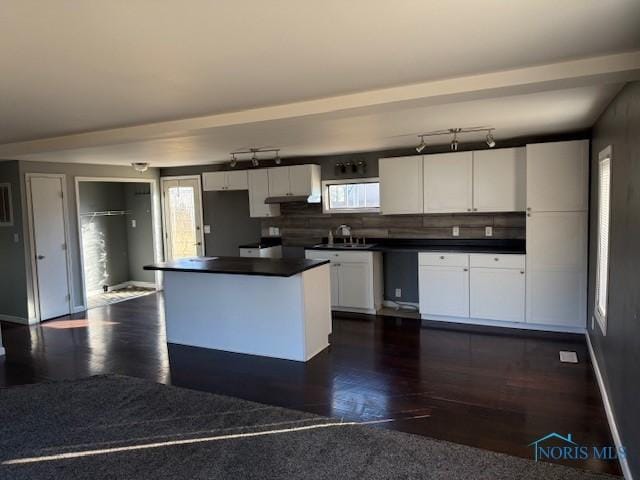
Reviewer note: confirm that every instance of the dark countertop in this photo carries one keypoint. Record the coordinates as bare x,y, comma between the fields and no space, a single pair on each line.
268,267
517,247
265,242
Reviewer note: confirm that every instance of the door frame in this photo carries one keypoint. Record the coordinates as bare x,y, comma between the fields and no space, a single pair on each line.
32,241
198,178
155,224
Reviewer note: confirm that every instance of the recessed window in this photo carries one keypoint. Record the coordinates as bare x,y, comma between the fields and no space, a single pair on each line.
604,209
351,196
6,210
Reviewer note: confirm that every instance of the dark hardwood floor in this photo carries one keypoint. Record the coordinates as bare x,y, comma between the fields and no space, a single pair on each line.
493,389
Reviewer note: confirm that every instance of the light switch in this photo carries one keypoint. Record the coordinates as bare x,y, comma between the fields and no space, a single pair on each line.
133,223
455,231
16,238
207,229
398,292
488,231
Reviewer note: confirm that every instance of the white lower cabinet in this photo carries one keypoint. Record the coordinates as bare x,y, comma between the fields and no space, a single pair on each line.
265,252
497,294
444,291
356,279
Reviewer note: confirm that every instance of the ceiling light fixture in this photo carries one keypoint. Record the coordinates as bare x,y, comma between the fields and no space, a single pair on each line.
233,161
255,161
422,145
455,132
491,142
140,166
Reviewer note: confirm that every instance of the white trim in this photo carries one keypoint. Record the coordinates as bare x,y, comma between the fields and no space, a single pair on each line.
14,319
606,153
499,323
156,222
608,408
345,181
368,311
162,208
32,247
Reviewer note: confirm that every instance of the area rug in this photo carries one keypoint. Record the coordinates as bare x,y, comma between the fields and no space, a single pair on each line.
125,428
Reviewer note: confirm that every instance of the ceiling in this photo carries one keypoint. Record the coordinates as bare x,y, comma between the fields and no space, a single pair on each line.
173,85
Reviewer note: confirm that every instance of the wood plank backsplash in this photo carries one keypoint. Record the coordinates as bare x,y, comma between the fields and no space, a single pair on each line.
304,224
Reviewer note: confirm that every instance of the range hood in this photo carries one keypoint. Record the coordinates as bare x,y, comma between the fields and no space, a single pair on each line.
293,199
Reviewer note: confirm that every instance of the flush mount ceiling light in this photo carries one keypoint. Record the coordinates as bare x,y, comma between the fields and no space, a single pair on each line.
140,166
255,161
489,139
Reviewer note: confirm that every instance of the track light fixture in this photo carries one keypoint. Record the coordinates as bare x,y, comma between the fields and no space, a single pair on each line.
233,161
454,141
255,161
278,160
422,145
489,139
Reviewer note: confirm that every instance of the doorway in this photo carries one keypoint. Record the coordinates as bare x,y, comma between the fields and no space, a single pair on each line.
48,235
182,214
116,230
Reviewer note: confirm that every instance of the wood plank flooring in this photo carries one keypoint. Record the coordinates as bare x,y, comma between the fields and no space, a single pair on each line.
489,388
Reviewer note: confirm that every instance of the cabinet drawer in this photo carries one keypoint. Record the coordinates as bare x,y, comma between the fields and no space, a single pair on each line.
486,260
444,259
249,252
341,255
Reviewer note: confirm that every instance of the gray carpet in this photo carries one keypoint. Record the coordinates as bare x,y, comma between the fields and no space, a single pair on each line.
91,420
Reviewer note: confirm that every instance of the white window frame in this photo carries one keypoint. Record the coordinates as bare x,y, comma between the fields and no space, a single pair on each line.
605,155
9,223
325,195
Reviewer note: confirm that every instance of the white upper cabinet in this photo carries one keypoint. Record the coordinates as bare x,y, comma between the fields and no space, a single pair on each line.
258,192
448,182
222,181
499,180
557,176
401,185
297,180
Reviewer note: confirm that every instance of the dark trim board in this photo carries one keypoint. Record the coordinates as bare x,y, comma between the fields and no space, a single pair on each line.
494,390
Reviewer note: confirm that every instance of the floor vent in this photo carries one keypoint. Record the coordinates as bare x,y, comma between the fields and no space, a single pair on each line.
568,357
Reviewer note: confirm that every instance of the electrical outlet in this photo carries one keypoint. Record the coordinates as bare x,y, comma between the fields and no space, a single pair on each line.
207,228
488,231
16,238
133,223
398,292
455,231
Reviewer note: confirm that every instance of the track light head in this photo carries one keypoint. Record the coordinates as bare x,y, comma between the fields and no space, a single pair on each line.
254,160
422,145
491,142
277,159
454,141
233,161
454,145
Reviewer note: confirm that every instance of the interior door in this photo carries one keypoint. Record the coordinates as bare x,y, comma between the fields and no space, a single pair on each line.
49,240
182,217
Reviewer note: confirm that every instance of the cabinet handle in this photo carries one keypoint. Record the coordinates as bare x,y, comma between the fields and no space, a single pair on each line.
442,257
528,209
475,209
522,272
465,269
468,209
496,259
528,214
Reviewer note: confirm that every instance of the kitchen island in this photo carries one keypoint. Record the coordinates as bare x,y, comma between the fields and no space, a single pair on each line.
277,308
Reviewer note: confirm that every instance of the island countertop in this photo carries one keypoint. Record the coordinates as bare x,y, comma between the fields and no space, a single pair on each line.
268,267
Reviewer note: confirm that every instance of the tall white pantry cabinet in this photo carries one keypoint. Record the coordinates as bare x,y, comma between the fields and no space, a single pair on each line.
557,222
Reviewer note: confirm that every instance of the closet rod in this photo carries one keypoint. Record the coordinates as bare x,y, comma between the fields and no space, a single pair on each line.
106,213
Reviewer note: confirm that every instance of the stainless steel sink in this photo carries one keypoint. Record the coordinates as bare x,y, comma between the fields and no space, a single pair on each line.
338,245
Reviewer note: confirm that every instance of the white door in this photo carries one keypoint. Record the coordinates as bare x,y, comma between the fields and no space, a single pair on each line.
499,180
214,181
448,182
557,268
237,180
49,239
182,217
258,192
354,285
558,176
279,184
400,185
444,291
497,294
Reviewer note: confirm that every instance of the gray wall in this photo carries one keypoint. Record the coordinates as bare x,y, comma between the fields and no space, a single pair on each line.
140,238
71,170
13,280
618,353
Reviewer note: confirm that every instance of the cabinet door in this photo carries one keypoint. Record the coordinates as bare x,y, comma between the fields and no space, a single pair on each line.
557,268
258,192
355,290
448,182
237,180
400,185
497,294
558,176
300,179
499,180
444,291
279,185
335,284
214,181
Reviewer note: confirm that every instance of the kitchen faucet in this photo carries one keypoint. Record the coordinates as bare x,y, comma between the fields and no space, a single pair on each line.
345,230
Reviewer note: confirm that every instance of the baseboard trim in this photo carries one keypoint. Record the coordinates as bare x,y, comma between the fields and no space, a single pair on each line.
368,311
500,323
611,419
14,319
128,283
394,304
78,308
136,283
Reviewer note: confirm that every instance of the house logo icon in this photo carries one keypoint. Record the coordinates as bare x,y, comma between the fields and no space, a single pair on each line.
537,444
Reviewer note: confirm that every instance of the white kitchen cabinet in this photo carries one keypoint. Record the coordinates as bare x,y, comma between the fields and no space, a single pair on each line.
444,290
296,180
222,181
401,189
258,192
557,268
558,176
356,279
497,287
448,182
265,252
499,180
